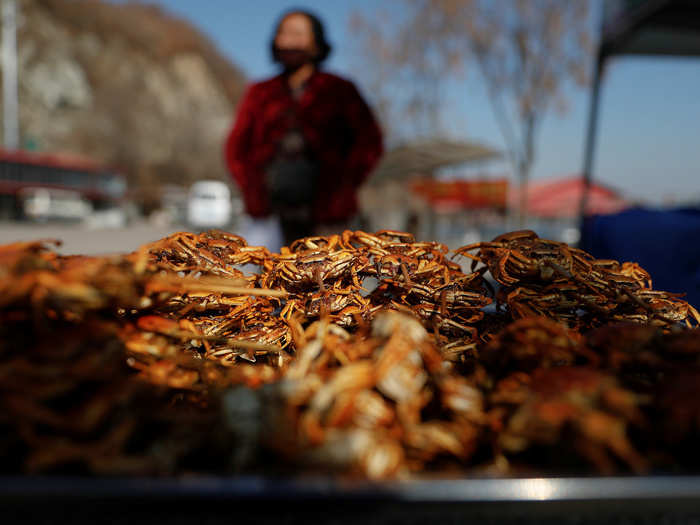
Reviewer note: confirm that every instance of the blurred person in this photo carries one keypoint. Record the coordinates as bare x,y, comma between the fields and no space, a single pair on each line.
303,141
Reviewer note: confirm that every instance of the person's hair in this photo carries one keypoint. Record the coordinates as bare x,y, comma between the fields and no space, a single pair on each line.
322,45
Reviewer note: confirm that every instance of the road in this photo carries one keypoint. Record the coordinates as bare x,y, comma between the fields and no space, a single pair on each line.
77,239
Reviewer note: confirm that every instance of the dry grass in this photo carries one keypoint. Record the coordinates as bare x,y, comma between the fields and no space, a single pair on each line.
150,30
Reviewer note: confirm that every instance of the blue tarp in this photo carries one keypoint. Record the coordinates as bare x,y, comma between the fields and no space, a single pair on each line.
665,243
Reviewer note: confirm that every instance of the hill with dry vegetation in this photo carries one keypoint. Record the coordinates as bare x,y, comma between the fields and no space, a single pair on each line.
126,84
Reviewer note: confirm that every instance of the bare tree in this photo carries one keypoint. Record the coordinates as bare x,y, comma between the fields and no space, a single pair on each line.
524,50
404,82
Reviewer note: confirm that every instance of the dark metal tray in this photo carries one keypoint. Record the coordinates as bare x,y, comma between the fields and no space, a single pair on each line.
657,499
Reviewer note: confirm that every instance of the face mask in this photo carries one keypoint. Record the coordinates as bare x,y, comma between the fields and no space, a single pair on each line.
293,59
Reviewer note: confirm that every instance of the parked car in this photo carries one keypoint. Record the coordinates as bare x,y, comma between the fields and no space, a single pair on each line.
49,203
209,204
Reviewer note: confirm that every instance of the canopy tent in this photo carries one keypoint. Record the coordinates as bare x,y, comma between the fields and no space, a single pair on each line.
423,157
651,27
667,247
558,198
638,27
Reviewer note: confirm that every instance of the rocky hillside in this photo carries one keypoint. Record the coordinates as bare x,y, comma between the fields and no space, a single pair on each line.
127,84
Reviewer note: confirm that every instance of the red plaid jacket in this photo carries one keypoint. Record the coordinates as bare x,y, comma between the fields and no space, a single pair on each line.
339,129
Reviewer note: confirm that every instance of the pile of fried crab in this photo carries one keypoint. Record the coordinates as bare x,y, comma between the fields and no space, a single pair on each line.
365,355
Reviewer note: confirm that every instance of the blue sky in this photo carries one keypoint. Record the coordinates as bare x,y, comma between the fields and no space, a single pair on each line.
649,140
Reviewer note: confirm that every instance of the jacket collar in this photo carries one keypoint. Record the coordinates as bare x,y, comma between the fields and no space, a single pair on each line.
281,80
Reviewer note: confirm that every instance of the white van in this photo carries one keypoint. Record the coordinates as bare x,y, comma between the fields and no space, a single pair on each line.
209,204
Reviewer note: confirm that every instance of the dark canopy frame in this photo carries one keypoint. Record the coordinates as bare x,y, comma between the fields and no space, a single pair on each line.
637,27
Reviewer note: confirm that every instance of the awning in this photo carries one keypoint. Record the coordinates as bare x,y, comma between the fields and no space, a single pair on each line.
423,157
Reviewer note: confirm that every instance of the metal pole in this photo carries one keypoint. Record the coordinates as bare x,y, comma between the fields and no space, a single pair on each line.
591,134
9,75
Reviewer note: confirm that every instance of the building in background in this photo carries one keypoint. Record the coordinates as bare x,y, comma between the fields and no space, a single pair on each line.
429,187
41,187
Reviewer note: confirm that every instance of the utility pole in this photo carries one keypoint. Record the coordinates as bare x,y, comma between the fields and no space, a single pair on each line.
10,102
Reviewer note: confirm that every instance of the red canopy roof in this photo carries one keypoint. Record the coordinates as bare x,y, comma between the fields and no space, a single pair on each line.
560,198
